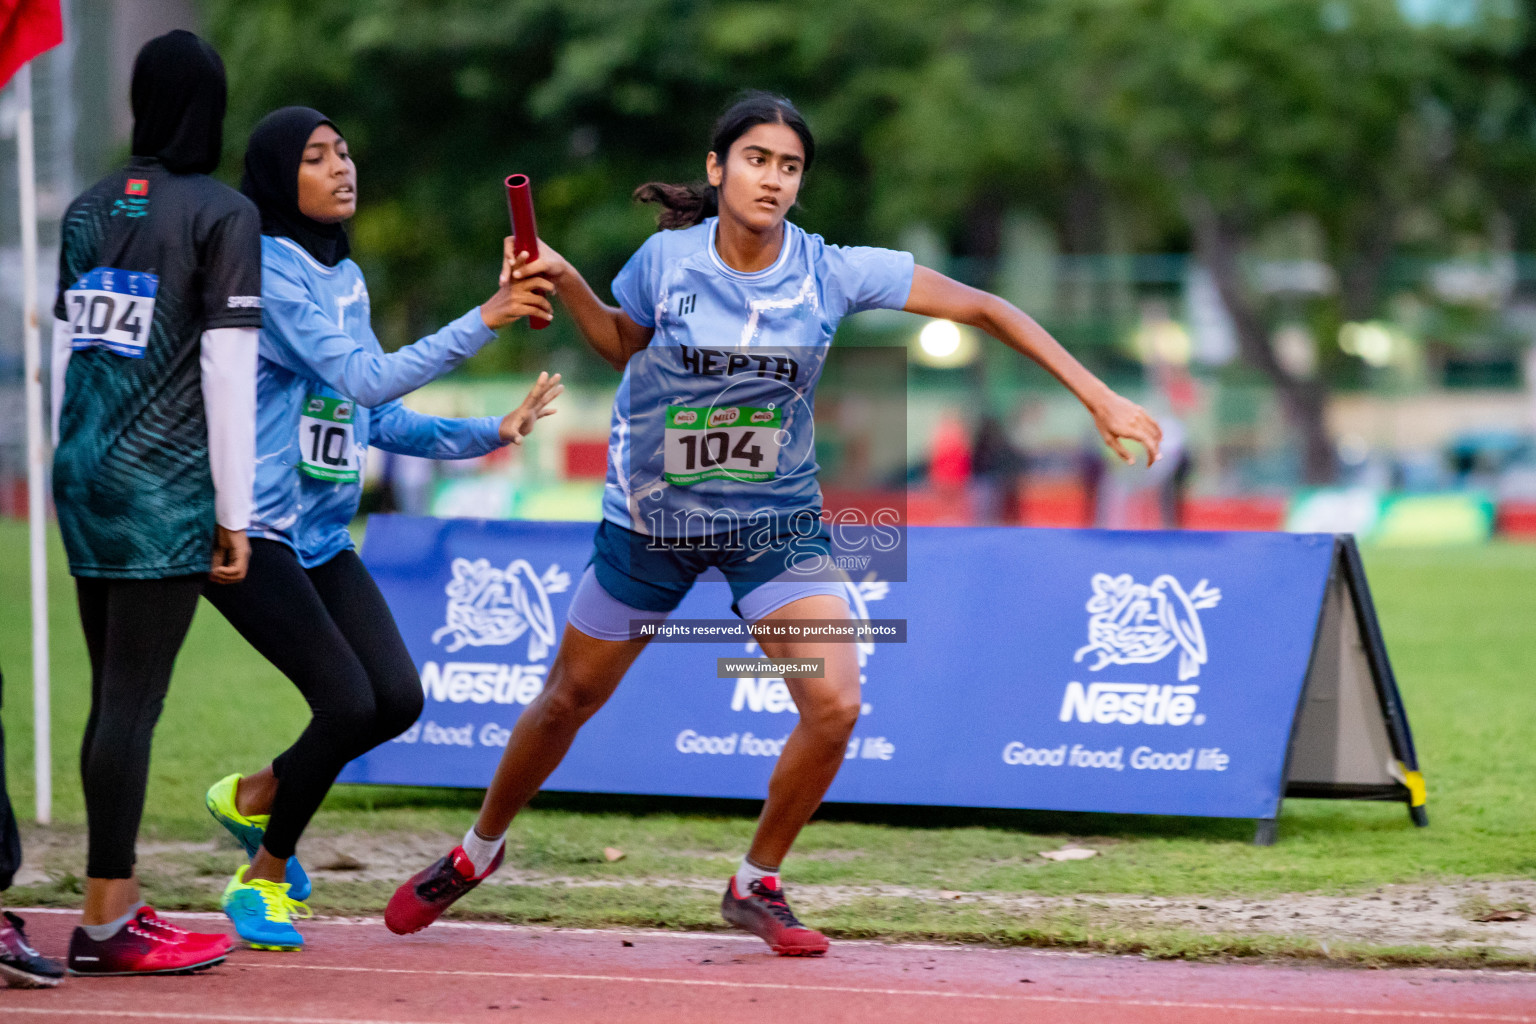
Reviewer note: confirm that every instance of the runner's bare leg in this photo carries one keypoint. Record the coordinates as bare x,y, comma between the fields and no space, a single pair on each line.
829,709
585,674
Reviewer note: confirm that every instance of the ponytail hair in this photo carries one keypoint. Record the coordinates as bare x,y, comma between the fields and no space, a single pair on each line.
683,206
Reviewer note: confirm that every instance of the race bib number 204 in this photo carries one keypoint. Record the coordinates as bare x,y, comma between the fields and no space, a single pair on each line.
724,442
113,309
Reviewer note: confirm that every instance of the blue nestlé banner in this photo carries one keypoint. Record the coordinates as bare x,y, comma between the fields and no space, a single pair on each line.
1054,669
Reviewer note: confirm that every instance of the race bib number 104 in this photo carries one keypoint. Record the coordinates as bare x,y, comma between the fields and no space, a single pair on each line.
326,441
113,309
724,442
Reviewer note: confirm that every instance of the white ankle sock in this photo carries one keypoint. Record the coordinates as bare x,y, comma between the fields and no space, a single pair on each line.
750,872
481,851
103,932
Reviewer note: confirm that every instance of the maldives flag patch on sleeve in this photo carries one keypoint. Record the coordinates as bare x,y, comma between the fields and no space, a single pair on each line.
136,187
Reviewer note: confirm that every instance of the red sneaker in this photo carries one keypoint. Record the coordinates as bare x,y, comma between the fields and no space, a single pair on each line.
212,943
764,912
433,890
137,949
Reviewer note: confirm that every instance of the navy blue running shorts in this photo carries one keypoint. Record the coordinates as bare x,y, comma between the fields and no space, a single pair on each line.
633,578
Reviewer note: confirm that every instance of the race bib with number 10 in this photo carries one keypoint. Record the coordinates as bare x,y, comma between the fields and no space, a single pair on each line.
112,309
326,439
724,442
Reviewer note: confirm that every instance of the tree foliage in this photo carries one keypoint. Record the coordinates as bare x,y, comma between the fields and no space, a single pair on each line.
1195,125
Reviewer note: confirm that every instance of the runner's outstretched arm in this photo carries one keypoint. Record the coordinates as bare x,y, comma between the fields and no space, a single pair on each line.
305,339
608,329
1117,418
404,431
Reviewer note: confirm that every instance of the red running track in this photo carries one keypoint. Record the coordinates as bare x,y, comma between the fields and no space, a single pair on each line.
356,972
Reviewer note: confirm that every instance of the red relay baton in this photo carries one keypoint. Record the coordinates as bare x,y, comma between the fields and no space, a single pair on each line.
525,233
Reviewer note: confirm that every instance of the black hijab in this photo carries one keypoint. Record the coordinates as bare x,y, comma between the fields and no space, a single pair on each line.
271,181
178,95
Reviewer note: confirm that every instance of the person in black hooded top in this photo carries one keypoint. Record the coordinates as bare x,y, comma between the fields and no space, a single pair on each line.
156,323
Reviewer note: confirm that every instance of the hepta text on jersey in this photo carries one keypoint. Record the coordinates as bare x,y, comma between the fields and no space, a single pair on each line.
708,362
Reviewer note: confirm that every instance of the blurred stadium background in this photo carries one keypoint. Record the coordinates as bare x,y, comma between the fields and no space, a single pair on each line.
1303,233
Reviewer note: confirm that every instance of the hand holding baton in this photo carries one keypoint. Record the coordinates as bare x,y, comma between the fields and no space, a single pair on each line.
525,233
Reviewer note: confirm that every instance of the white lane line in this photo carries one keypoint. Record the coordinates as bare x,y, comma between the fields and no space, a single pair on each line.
1172,1004
231,1018
649,933
868,944
1291,1010
201,915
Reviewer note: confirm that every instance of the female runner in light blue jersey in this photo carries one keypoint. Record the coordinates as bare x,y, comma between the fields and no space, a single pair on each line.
326,392
722,325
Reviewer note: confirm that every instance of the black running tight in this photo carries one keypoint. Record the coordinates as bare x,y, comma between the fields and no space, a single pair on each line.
330,632
10,836
133,629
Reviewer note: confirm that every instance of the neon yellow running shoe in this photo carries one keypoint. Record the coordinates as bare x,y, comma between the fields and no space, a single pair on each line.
263,912
248,830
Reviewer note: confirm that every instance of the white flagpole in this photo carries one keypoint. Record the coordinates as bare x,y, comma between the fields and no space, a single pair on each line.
37,451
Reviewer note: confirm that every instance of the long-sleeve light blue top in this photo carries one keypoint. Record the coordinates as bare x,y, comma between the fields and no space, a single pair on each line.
326,390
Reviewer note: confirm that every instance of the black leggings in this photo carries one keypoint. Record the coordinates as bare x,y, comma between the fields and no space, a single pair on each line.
329,630
133,629
10,837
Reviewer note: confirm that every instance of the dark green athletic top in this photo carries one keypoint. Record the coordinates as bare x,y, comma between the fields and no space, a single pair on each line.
149,260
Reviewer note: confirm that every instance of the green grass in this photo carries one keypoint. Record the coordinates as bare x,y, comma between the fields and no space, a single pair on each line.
1458,625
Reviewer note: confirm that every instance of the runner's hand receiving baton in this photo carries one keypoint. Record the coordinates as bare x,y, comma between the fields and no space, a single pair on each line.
525,293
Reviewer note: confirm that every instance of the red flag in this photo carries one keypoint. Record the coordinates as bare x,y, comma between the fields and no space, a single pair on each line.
27,28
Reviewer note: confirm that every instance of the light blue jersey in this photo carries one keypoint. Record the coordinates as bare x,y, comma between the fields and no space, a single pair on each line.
325,391
713,422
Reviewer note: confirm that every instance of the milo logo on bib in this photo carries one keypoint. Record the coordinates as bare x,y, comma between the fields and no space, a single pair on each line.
722,443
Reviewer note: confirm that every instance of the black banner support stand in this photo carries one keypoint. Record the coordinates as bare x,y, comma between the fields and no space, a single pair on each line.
1350,737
